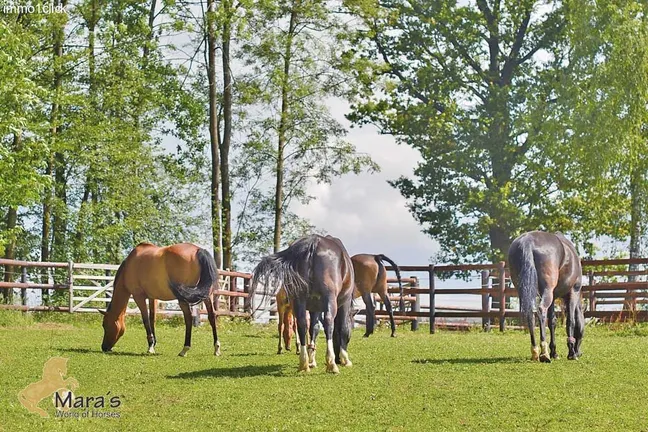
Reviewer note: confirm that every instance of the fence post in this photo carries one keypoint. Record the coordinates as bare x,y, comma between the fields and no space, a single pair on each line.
232,300
246,302
592,293
432,307
416,306
70,282
486,321
23,292
502,287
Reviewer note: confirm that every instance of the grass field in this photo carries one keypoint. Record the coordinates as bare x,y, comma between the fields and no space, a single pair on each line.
447,381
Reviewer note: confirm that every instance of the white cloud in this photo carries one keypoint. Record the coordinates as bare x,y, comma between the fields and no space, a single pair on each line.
364,211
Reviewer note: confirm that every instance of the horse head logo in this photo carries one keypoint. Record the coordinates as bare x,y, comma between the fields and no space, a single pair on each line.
53,381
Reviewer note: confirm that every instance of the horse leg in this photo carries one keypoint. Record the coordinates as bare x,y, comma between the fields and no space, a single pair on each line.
140,300
370,309
545,303
385,299
551,316
302,328
579,325
280,318
575,324
293,323
186,311
211,315
313,331
152,314
342,334
287,329
535,352
329,326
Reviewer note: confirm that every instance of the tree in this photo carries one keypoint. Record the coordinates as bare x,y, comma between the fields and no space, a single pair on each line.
604,98
471,86
292,138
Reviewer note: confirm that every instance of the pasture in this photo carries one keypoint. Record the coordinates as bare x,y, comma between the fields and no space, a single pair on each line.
417,381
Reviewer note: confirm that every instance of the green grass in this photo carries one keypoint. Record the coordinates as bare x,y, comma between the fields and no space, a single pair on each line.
417,381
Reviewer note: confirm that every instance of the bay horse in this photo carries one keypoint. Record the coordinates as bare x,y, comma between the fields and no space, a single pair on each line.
317,274
547,264
370,278
181,271
287,325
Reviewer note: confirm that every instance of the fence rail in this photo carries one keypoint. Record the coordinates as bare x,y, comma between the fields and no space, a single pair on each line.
89,287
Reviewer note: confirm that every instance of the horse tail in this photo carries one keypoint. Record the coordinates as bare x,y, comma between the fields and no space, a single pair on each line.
282,268
208,276
528,281
379,258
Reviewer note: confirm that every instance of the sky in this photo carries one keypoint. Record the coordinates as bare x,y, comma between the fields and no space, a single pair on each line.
364,211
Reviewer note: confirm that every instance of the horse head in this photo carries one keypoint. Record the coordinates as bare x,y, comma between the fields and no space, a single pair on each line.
114,327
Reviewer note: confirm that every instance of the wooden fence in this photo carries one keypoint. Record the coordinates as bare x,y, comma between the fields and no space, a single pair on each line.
89,287
606,283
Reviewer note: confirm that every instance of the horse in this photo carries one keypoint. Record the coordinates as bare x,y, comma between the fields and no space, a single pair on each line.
371,277
547,264
317,274
52,382
181,271
287,325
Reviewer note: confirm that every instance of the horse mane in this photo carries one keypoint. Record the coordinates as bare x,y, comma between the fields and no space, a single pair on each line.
119,272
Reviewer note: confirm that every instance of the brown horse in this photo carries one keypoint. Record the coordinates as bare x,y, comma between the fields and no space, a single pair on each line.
180,271
317,274
370,278
548,265
287,325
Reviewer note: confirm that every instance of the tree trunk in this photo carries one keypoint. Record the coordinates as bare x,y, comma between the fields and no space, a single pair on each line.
636,226
57,54
283,125
213,131
10,253
10,250
227,138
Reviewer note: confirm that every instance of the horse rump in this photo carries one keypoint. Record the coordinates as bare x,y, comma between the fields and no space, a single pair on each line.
208,276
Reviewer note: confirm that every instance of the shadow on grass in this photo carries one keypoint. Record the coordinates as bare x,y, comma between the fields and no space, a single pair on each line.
231,372
111,353
469,360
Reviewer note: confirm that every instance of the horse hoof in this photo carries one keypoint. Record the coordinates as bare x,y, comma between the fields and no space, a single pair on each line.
279,351
305,369
393,335
332,368
183,352
366,335
151,350
572,357
312,365
545,358
555,356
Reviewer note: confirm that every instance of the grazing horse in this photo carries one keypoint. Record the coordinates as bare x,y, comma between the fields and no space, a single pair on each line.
180,271
371,277
317,274
547,265
287,325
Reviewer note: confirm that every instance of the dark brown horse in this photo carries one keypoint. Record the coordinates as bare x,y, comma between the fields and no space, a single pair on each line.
181,271
370,278
547,265
317,274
